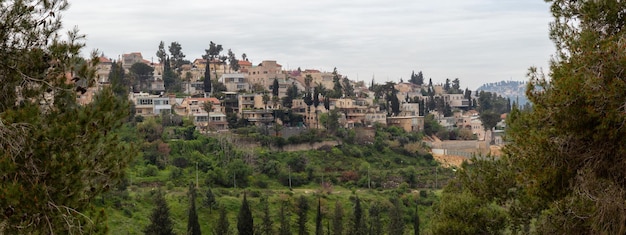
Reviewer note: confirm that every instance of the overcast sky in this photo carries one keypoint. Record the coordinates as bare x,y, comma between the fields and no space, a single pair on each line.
477,41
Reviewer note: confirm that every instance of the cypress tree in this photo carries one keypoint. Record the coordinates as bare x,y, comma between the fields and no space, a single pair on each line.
275,87
338,219
207,77
160,221
266,223
245,222
318,219
375,216
358,221
283,217
416,221
303,208
222,226
396,221
193,226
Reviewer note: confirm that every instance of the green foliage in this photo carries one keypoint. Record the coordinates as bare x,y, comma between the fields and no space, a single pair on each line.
303,208
160,221
337,222
431,126
245,222
319,229
266,221
463,213
193,226
396,217
56,155
283,217
222,226
209,199
358,219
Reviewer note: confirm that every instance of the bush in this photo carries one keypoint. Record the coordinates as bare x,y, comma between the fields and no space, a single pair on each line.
180,162
150,170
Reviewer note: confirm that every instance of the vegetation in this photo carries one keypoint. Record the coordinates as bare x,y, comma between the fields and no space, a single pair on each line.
57,156
561,173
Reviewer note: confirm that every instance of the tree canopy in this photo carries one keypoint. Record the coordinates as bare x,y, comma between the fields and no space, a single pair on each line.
57,155
564,155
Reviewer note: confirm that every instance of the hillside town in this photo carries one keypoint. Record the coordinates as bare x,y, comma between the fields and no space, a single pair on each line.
217,95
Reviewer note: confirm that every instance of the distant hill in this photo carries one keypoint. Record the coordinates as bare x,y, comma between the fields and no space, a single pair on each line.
514,90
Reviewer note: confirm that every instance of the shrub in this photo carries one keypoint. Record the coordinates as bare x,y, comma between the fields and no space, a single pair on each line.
150,170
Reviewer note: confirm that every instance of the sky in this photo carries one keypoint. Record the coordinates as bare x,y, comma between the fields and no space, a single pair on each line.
477,41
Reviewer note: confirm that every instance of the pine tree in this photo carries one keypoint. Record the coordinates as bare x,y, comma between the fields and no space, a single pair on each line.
209,200
245,222
193,226
420,78
275,87
338,219
56,155
303,208
222,226
160,221
569,147
337,88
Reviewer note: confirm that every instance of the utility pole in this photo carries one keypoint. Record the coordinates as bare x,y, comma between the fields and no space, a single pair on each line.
196,174
234,182
289,178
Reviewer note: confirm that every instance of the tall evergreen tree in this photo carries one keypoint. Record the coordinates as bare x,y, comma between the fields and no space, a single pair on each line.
284,219
396,217
209,199
337,88
193,226
267,221
161,54
222,226
245,222
177,58
569,147
119,84
319,229
275,87
160,221
303,208
358,219
375,218
327,102
348,89
316,94
420,78
413,77
338,219
233,62
56,155
416,221
207,78
213,54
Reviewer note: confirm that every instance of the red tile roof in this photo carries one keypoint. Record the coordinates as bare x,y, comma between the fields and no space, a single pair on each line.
103,59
